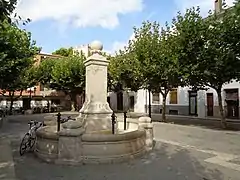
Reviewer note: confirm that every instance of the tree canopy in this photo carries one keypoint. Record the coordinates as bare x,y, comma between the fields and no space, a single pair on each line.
6,9
16,53
150,61
207,50
64,52
65,74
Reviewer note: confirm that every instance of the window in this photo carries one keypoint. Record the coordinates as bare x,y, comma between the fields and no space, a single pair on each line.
173,96
155,98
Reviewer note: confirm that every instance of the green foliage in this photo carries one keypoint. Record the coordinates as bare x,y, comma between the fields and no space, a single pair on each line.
16,54
43,72
65,74
149,61
155,55
64,52
6,9
68,74
209,49
190,29
121,73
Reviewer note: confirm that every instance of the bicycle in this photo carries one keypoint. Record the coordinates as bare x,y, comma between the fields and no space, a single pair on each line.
63,120
29,138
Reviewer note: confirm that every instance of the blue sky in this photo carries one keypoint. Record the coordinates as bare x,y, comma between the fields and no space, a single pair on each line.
65,23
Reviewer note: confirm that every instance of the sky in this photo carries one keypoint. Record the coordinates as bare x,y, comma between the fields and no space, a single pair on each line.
70,23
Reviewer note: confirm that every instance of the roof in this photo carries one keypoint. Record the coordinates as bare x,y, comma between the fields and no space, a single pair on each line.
49,55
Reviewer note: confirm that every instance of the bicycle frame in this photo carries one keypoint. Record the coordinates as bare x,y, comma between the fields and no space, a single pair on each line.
33,128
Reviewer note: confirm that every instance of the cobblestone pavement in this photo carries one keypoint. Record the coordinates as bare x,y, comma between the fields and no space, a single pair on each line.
173,158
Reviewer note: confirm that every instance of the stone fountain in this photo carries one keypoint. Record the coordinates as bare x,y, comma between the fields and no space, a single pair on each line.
89,138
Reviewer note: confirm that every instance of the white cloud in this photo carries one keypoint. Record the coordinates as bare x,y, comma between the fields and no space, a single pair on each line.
119,45
205,5
80,13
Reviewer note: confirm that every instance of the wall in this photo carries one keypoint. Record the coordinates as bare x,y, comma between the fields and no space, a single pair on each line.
141,105
126,96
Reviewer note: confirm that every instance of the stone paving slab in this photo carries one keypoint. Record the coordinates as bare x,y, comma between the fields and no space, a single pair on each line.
166,162
219,141
7,171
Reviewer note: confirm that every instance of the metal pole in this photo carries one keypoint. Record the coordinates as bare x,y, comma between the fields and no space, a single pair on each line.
125,120
149,104
113,123
58,121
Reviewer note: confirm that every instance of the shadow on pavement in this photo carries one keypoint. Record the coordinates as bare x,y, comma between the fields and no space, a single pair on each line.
165,162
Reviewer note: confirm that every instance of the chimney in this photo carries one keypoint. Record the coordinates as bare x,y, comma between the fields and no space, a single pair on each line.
218,6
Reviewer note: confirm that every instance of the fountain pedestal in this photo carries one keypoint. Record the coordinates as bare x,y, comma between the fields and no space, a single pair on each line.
96,113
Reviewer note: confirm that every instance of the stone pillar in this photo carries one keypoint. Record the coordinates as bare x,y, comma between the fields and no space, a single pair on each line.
145,123
96,113
70,143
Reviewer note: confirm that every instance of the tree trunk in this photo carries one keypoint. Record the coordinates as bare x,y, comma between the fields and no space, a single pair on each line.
164,108
221,109
73,96
11,95
149,104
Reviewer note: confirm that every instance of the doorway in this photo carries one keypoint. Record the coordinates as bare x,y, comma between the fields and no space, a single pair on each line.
131,104
232,102
209,104
26,103
120,101
192,103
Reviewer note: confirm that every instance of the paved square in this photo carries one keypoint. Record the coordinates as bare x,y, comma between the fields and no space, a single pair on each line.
180,153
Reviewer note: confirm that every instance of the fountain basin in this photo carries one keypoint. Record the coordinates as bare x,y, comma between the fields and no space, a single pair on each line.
110,148
47,143
89,148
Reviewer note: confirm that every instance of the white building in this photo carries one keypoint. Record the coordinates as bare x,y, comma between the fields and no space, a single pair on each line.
181,101
85,49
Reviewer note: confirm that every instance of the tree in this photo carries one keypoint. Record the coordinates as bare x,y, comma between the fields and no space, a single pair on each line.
65,74
15,50
25,80
6,9
207,52
64,52
153,54
121,73
16,55
43,72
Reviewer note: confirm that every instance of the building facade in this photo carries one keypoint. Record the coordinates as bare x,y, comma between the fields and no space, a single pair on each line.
38,95
181,101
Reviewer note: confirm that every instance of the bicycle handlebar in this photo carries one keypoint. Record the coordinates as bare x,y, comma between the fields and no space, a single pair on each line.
33,122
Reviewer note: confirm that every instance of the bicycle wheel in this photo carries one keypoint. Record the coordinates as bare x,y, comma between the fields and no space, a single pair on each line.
25,144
